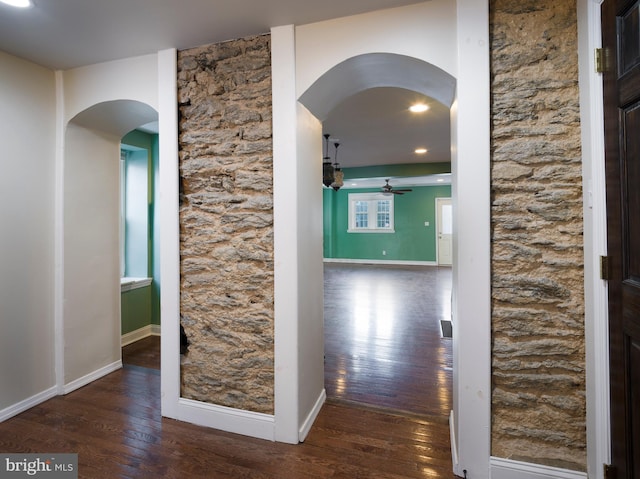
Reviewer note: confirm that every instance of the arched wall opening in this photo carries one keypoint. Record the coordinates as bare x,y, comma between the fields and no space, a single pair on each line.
91,237
298,259
369,71
372,71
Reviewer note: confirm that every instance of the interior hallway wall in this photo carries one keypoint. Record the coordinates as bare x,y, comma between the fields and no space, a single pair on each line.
98,105
92,244
27,135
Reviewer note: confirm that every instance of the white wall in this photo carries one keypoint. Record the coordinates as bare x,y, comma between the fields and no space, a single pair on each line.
27,136
129,79
91,242
426,31
310,267
98,105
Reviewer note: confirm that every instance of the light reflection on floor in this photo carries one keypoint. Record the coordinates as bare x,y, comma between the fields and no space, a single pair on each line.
383,342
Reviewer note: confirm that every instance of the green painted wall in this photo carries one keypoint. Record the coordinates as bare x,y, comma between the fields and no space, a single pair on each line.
412,240
141,307
135,308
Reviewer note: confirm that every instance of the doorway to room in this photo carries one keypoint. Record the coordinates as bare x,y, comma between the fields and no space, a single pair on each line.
385,297
383,343
92,316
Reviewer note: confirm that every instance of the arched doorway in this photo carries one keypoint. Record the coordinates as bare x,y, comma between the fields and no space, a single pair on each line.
91,244
383,85
297,378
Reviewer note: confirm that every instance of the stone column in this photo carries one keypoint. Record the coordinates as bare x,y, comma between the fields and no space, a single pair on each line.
226,223
538,403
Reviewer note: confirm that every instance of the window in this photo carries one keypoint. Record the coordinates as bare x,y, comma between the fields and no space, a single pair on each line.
134,212
370,213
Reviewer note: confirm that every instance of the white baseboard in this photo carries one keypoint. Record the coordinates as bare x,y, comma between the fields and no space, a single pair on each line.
89,378
508,469
452,437
454,445
28,403
138,334
228,419
380,261
311,417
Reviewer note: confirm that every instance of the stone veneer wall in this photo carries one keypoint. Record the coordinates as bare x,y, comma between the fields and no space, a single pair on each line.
538,402
226,223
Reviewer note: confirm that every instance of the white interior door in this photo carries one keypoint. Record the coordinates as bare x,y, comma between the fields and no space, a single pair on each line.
444,224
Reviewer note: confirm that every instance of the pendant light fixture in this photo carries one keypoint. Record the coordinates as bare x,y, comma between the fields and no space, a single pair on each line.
327,168
338,174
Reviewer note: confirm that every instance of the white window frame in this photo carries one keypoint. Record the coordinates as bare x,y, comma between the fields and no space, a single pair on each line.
372,199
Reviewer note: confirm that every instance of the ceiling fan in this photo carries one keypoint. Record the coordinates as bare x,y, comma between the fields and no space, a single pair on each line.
387,189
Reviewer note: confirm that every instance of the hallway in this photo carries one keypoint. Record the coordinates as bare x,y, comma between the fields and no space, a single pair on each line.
395,360
383,345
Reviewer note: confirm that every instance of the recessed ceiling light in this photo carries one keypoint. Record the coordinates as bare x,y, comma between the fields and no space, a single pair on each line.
418,108
17,3
420,151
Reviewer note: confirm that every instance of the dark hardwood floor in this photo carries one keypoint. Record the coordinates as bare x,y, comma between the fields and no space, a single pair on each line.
383,344
114,423
144,353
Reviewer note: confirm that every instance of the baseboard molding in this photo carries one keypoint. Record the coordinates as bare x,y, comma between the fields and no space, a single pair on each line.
228,419
508,469
138,334
311,417
89,378
453,440
381,261
28,403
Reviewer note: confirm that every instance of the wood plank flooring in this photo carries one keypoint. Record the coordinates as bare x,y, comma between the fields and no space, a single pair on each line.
383,344
114,425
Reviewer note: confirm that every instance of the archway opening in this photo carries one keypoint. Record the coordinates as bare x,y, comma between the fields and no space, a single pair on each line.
92,243
383,72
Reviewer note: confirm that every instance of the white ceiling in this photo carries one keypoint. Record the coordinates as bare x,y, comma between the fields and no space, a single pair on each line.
374,127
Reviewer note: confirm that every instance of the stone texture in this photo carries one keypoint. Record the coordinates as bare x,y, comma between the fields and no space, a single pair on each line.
226,223
538,400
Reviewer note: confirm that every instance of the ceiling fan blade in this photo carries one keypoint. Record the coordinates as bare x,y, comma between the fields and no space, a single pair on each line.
387,188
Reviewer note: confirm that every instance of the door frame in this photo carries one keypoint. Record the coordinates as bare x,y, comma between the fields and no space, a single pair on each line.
437,225
595,239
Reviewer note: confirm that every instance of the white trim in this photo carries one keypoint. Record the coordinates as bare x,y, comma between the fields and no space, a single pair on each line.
471,272
128,284
595,238
382,261
138,334
89,378
169,232
285,235
508,469
370,199
28,403
371,230
452,438
311,417
227,419
58,235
